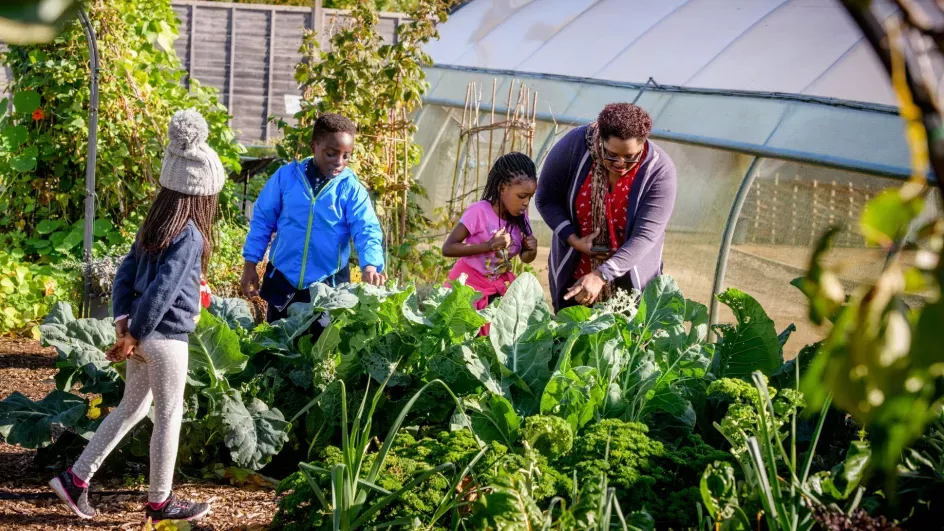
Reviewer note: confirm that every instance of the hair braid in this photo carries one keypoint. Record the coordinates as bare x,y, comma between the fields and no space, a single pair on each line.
506,169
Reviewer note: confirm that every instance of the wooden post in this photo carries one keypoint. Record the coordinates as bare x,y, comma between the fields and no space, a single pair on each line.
455,174
793,214
851,214
406,172
774,210
477,94
491,125
532,120
757,211
317,17
514,117
470,102
232,59
507,117
191,52
865,201
813,214
270,66
832,203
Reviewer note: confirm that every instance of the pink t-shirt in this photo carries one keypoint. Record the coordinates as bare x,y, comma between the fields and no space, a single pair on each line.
482,222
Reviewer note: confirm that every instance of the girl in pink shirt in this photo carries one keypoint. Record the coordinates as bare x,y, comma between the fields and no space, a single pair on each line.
496,229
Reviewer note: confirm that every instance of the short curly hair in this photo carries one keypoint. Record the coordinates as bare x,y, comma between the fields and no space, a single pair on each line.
328,124
625,121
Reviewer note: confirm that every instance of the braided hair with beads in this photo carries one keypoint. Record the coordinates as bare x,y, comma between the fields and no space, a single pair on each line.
504,172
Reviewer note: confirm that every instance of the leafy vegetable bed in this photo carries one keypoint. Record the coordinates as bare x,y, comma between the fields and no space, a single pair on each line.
399,412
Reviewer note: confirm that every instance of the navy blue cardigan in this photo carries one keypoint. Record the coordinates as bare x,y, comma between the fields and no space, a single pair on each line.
161,294
651,200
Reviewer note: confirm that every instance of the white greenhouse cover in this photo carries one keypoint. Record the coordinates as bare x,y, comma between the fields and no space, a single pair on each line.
790,79
806,47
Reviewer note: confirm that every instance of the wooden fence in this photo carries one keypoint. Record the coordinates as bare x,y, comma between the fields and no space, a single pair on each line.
249,52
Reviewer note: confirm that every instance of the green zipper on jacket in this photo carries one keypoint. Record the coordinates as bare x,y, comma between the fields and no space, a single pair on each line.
311,215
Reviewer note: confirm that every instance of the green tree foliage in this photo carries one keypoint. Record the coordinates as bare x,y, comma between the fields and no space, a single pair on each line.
45,138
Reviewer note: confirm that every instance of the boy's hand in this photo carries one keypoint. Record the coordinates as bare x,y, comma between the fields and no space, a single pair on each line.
370,276
530,243
250,280
123,349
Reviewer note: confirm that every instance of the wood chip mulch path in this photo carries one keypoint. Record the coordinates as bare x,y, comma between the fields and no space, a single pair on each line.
26,503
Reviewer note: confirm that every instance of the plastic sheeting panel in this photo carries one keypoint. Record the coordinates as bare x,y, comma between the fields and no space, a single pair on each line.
666,52
523,32
592,40
793,46
865,138
739,119
467,26
816,34
868,137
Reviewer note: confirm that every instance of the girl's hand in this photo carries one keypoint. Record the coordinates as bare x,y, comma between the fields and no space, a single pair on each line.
501,240
530,243
121,328
123,349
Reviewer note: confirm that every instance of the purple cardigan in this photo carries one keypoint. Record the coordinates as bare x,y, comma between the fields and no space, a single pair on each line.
651,200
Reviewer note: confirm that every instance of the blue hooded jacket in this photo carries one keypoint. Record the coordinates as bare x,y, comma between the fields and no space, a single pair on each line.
313,232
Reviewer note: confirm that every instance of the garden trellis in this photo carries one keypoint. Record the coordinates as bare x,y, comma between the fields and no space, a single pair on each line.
516,130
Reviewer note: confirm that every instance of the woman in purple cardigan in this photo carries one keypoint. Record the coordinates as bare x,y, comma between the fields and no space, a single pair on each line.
607,192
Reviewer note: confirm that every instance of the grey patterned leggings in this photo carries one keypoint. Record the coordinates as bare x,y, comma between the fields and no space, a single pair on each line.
159,369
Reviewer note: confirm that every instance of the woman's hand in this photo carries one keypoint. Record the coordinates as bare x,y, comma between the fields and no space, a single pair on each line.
585,245
501,240
587,290
369,275
250,280
123,349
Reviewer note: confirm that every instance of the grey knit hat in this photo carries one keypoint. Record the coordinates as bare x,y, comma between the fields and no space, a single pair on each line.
190,165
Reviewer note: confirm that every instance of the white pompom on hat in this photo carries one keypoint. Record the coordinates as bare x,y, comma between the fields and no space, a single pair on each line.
190,165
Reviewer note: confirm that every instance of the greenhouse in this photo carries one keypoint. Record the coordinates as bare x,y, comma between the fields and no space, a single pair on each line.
771,148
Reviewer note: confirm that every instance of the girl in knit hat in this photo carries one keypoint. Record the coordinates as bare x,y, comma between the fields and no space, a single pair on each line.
156,297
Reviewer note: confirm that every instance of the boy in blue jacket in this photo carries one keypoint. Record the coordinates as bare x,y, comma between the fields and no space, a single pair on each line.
315,207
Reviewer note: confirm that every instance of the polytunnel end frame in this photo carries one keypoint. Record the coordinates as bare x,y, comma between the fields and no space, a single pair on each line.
90,162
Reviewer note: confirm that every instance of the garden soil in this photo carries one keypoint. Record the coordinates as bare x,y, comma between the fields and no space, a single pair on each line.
26,503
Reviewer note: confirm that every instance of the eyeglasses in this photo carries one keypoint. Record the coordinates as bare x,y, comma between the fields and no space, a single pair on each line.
614,159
